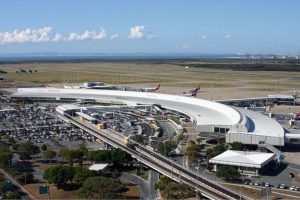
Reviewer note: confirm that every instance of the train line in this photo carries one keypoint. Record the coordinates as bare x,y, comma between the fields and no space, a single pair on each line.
160,163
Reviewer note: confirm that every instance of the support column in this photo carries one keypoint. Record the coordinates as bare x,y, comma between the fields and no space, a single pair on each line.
215,167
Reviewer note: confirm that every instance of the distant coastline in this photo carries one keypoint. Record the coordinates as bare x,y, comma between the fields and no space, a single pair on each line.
27,58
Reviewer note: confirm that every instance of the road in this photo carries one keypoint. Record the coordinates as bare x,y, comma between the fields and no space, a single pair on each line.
141,183
153,178
158,162
26,195
169,131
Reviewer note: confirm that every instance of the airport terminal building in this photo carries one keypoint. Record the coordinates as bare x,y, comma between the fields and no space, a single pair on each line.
237,124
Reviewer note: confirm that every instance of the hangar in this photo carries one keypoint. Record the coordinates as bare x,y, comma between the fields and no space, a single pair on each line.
237,124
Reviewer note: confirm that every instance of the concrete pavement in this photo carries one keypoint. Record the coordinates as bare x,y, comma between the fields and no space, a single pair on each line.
141,183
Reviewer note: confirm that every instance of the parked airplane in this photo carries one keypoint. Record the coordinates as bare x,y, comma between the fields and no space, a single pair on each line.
192,93
150,89
103,86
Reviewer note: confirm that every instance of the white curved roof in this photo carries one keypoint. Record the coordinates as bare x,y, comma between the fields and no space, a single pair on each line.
204,112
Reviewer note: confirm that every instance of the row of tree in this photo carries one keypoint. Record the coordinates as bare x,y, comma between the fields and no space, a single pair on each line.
92,185
5,156
72,155
173,190
115,156
26,149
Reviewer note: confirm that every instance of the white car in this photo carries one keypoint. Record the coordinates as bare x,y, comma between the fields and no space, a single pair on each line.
294,188
282,186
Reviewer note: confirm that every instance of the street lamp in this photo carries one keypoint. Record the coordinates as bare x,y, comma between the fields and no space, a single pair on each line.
197,168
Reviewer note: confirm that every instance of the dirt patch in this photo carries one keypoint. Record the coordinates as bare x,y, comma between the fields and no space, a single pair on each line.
54,192
133,192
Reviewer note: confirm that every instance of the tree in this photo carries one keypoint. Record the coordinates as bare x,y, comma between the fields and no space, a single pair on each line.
71,154
179,137
26,149
5,156
5,159
83,149
193,150
49,154
63,152
172,190
115,156
26,178
216,150
99,156
162,183
227,172
4,148
12,195
166,147
44,147
138,139
59,175
118,156
238,146
81,174
101,188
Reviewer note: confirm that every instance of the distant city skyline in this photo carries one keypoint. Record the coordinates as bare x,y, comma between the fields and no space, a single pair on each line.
133,26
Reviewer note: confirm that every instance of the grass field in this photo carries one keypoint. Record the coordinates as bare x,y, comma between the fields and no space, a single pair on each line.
174,77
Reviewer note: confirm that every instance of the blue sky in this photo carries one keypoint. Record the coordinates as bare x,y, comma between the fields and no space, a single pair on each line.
150,26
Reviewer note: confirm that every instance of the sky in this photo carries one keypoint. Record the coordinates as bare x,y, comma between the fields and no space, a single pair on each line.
150,26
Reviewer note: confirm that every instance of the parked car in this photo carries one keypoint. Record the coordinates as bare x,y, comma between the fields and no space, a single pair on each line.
256,183
294,188
282,186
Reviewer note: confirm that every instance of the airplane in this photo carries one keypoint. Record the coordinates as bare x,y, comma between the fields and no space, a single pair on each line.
102,86
192,93
150,89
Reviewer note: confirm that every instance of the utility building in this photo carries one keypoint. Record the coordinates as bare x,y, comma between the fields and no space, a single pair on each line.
247,162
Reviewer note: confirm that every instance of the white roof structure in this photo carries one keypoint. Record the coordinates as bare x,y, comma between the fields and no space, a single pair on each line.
99,166
243,158
206,112
65,107
280,96
90,118
203,112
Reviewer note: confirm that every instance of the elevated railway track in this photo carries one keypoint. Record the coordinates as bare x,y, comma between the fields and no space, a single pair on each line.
163,165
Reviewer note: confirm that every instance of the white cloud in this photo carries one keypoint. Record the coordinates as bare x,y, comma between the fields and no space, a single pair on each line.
44,34
114,36
87,35
47,34
57,37
140,32
227,36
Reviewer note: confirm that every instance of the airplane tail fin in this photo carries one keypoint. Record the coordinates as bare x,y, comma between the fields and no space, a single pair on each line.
158,87
195,92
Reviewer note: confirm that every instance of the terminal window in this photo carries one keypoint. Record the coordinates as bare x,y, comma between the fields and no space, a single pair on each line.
217,130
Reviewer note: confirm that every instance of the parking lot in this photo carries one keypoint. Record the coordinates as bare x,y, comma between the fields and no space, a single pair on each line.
39,124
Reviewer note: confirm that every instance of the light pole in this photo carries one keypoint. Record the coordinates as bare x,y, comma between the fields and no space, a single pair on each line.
197,168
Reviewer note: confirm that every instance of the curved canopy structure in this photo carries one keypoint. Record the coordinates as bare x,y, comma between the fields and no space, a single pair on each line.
211,117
